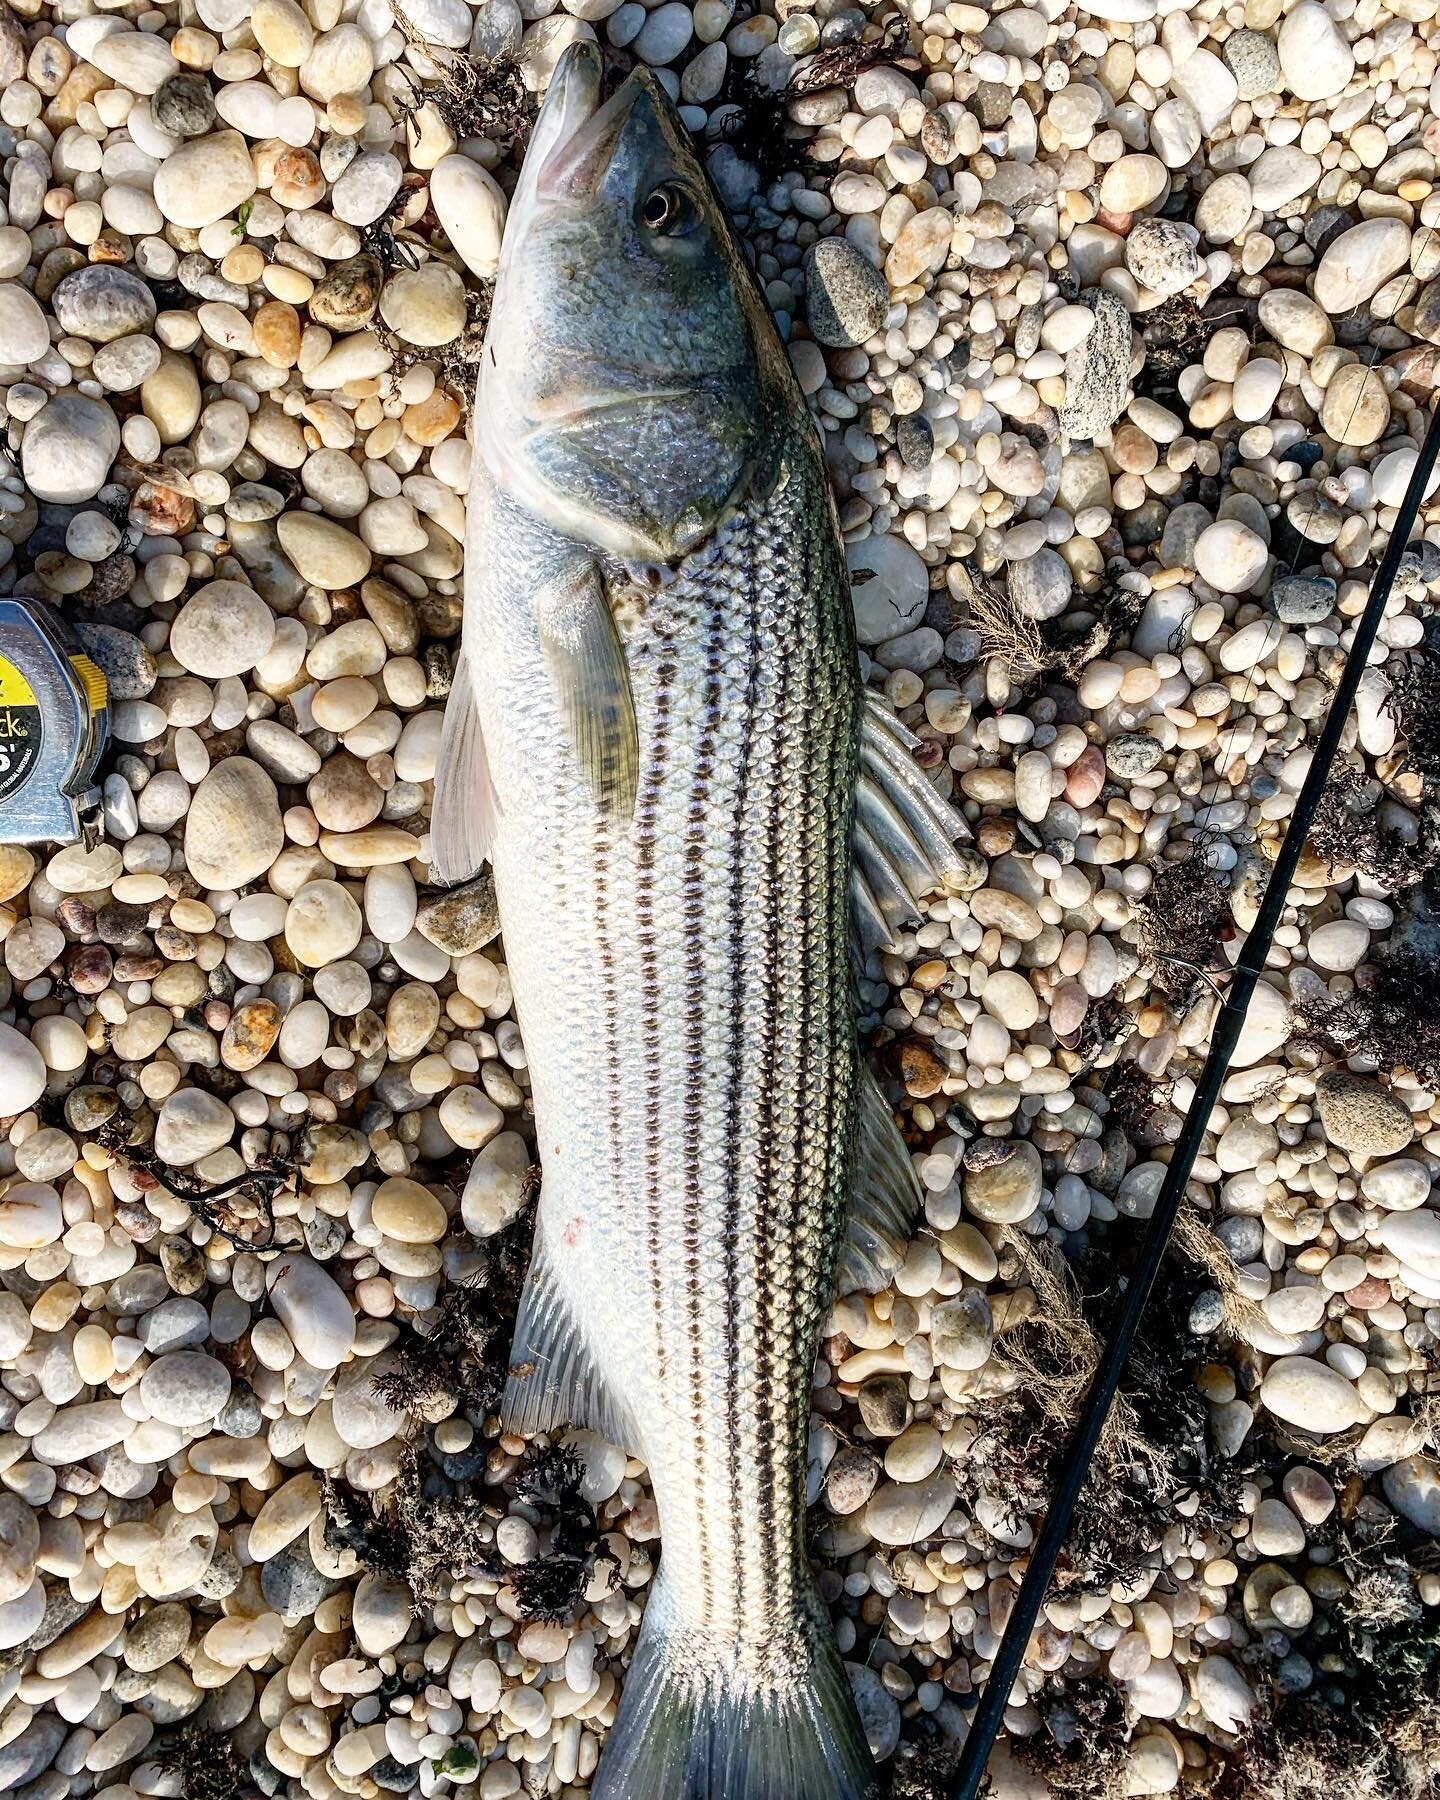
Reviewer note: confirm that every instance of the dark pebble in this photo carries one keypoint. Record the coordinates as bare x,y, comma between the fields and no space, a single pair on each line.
1303,599
120,923
184,1266
884,1402
184,106
265,1775
992,104
240,1417
394,1776
915,441
31,1753
1325,223
292,1584
1207,1313
1306,454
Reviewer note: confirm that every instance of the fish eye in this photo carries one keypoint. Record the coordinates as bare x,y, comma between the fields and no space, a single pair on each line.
669,210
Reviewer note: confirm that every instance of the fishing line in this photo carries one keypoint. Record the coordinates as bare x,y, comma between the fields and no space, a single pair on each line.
1005,1665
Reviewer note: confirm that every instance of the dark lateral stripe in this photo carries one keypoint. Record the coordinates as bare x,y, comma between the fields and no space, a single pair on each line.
649,999
771,1359
609,1007
738,915
697,1097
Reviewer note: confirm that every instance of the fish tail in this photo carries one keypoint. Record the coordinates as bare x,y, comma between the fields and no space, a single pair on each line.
719,1734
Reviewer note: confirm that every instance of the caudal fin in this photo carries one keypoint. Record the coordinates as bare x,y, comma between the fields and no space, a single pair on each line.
685,1735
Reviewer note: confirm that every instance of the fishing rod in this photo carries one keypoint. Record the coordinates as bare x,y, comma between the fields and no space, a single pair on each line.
990,1711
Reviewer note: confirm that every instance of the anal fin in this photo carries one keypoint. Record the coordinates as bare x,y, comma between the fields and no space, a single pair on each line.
462,820
905,831
587,664
885,1197
554,1380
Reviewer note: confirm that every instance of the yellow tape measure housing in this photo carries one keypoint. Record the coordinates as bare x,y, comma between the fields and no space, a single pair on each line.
54,721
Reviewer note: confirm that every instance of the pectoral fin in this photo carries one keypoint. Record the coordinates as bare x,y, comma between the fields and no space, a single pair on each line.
592,684
885,1197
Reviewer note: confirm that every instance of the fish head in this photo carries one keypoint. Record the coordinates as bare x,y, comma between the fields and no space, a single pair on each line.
626,388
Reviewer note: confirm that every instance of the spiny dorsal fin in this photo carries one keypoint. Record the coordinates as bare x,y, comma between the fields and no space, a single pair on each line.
905,831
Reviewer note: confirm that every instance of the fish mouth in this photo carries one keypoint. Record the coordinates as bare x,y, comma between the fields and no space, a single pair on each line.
576,135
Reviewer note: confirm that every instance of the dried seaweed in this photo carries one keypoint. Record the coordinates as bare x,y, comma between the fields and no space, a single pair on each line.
1348,832
1033,650
372,1533
1386,1017
474,98
753,118
214,1203
1083,1748
1183,920
1084,1745
408,1533
456,1365
838,65
1176,333
927,1773
553,1584
1382,1597
1371,1731
1051,1358
206,1764
1192,1238
1103,1031
1414,703
1136,1100
1155,1451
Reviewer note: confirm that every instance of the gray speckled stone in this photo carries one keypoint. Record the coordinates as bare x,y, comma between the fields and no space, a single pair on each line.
101,302
1132,754
846,296
184,106
128,666
461,919
292,1584
1253,60
1097,371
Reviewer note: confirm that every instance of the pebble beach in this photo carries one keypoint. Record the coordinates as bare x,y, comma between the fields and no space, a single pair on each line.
1120,324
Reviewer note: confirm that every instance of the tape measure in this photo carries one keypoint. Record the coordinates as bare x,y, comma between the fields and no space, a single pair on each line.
54,722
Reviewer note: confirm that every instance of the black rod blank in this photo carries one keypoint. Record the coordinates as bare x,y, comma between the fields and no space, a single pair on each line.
990,1711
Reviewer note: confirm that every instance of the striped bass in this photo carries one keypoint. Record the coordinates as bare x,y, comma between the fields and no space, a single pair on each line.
658,737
